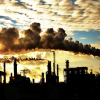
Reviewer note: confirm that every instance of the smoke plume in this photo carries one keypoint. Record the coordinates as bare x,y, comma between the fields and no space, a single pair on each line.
10,60
10,41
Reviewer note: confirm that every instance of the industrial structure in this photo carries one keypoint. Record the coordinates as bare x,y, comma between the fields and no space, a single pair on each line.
76,81
77,75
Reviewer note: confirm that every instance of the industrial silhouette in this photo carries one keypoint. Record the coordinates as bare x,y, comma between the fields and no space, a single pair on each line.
78,85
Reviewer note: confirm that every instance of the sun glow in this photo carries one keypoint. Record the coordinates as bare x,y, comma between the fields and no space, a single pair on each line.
0,46
21,35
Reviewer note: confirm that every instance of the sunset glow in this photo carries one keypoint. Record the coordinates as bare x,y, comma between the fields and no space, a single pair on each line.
30,29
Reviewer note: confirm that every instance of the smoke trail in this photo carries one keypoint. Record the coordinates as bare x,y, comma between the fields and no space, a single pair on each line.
10,41
10,60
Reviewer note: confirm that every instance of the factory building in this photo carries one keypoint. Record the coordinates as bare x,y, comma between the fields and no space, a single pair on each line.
78,75
17,79
51,78
80,83
76,81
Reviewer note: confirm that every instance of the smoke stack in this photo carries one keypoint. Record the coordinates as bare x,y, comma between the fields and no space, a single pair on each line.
54,68
11,74
15,68
67,64
42,77
5,74
49,67
57,73
57,70
91,71
33,81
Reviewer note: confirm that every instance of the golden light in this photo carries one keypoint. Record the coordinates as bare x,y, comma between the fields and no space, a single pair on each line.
0,46
59,51
1,56
43,55
21,35
43,32
15,55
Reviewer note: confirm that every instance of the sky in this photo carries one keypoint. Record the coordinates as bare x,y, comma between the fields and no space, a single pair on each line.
70,27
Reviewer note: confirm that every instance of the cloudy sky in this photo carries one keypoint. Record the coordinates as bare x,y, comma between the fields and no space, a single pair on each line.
71,27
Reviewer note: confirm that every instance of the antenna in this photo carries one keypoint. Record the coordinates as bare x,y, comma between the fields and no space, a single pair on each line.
24,72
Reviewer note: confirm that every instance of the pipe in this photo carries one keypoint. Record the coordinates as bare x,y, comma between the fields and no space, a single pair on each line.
42,75
57,70
33,81
49,67
57,73
15,68
67,64
5,74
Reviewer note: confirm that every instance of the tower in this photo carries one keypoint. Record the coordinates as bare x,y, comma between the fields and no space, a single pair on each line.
42,80
57,73
67,64
15,68
5,74
49,67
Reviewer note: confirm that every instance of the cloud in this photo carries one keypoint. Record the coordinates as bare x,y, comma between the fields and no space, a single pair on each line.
76,17
10,41
96,45
83,37
69,33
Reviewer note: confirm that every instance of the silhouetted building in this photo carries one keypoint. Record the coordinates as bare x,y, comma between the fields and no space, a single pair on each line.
78,84
17,79
2,87
77,75
51,78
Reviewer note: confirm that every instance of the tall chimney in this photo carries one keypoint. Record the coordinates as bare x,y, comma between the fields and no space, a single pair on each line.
91,71
49,67
57,73
42,77
57,70
15,68
33,81
67,64
5,74
54,62
11,74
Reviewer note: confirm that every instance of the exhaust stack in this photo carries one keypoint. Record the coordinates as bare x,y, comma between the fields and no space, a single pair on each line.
5,74
49,67
57,70
15,68
67,64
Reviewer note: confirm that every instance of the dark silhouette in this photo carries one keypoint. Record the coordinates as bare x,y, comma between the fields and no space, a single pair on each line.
78,85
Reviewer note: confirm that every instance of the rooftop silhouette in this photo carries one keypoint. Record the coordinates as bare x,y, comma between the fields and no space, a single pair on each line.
78,84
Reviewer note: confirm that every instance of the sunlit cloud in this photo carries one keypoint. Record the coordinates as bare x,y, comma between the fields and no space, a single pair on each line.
96,45
74,17
83,37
